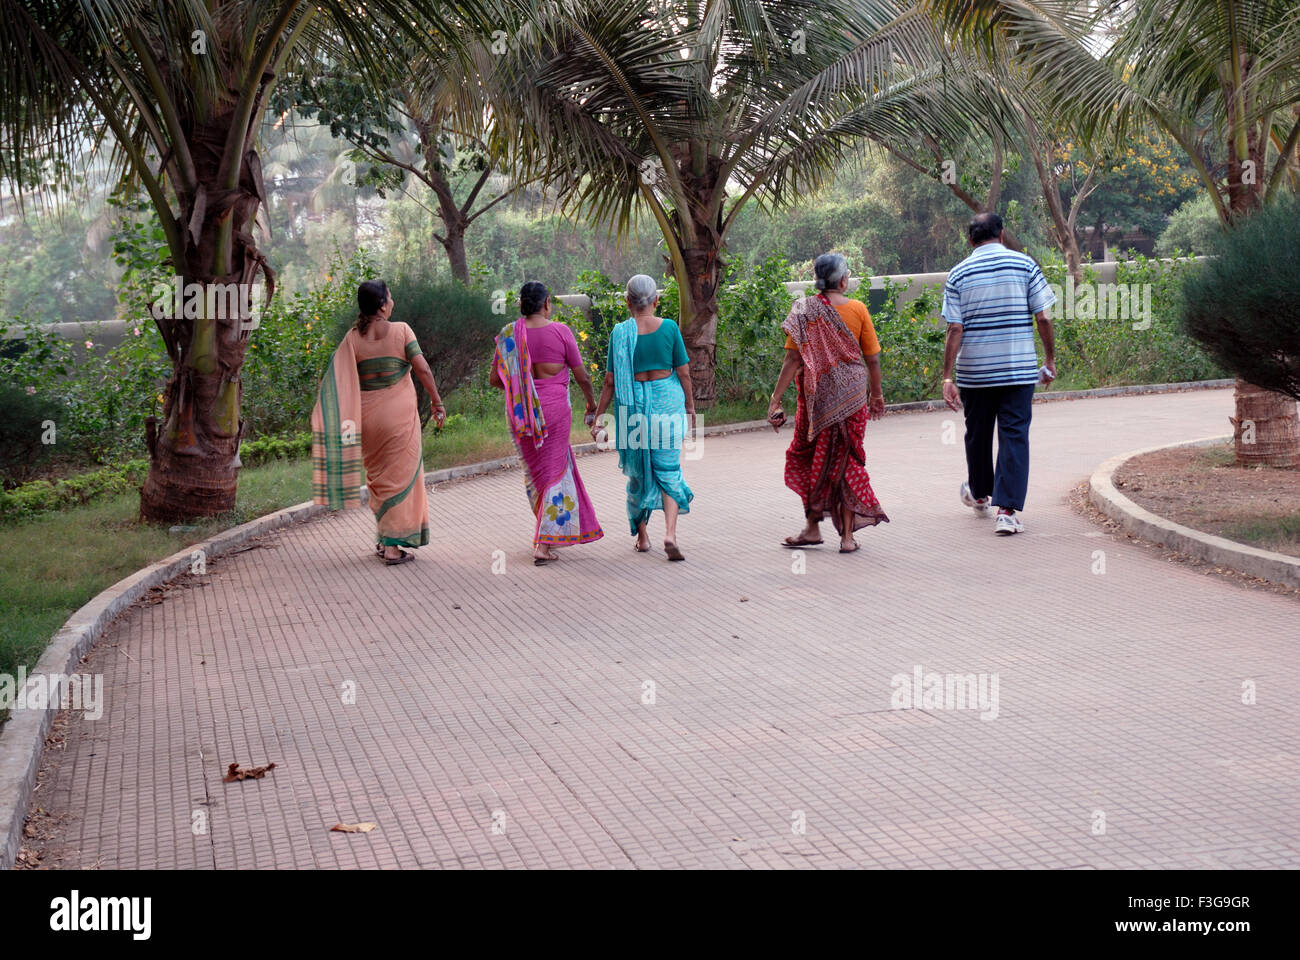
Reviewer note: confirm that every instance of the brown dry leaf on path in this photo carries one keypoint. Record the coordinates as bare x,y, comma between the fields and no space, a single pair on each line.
353,827
236,772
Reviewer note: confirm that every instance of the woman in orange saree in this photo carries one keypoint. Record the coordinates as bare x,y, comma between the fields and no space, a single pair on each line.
366,414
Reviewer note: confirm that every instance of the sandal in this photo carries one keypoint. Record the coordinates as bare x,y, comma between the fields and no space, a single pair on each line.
800,542
403,557
856,547
674,553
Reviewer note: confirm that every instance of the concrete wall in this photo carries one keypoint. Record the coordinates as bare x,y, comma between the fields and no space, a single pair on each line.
109,333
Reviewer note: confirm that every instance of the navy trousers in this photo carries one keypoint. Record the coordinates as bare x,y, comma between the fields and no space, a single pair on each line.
1009,410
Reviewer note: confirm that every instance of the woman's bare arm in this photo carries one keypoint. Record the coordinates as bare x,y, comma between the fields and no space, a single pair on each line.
792,364
421,368
606,395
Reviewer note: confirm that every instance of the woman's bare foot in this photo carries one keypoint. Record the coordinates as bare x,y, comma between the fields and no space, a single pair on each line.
642,539
543,552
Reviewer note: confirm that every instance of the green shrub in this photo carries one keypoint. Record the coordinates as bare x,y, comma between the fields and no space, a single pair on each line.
455,326
41,496
1104,351
1192,228
28,430
911,340
1241,304
752,305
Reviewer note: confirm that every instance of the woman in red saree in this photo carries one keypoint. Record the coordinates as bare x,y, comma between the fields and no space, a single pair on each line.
831,353
534,356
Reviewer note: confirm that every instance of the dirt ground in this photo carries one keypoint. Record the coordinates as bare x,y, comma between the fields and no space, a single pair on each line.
1200,488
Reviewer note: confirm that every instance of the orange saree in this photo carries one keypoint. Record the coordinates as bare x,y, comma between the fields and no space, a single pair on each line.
367,406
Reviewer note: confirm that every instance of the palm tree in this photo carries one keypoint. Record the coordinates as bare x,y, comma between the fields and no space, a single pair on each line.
179,90
689,110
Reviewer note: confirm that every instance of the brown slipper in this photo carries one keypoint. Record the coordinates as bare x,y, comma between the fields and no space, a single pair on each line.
403,558
673,552
793,543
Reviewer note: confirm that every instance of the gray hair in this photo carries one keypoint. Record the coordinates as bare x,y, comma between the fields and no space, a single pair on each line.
642,291
829,269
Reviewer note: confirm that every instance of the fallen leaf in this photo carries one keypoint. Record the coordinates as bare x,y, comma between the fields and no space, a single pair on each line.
353,827
236,772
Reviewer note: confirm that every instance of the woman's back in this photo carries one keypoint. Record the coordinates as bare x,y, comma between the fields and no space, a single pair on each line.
383,338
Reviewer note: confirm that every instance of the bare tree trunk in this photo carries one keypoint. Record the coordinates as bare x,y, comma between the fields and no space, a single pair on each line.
1062,224
454,219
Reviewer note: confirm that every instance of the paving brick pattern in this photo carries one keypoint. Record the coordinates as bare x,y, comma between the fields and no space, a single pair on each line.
500,719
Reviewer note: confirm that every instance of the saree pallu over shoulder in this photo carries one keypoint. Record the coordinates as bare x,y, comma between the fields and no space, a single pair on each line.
540,419
833,381
336,433
524,411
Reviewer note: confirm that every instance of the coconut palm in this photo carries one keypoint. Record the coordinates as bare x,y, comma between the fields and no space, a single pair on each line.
179,89
686,110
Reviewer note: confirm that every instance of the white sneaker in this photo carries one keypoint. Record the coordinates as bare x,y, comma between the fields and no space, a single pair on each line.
1008,523
981,507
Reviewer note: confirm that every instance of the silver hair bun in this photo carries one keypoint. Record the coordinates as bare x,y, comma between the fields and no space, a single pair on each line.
829,269
642,290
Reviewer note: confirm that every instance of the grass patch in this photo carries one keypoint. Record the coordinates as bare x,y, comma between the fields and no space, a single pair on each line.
1280,534
51,565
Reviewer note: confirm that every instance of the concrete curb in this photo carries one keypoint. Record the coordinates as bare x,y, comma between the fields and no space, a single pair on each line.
23,737
1143,523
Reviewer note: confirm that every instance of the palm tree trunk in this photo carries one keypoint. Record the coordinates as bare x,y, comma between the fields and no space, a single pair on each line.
700,332
194,465
1266,429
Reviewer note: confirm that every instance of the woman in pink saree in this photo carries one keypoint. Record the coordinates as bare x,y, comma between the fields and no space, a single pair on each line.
533,358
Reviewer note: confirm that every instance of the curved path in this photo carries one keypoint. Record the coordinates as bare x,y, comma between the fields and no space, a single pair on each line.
501,718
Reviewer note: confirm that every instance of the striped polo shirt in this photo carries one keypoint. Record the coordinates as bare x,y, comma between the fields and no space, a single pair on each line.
993,294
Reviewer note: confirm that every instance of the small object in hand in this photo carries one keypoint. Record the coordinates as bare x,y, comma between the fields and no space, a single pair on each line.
236,772
589,419
1045,375
600,434
777,419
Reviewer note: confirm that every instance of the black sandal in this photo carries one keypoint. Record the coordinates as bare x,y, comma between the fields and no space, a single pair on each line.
403,557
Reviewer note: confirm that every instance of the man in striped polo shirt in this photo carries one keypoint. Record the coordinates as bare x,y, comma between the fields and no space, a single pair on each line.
991,300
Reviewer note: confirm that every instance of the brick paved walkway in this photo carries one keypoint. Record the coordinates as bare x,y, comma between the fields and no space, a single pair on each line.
481,739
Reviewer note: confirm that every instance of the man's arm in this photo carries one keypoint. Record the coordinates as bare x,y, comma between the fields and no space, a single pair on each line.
951,346
1048,333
